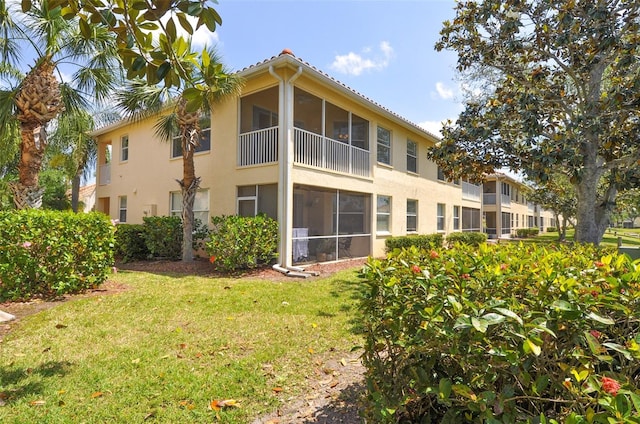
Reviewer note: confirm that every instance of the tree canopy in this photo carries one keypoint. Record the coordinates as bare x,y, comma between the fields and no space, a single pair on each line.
565,78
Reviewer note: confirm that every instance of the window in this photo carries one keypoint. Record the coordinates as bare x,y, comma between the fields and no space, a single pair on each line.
456,217
255,199
122,209
205,138
412,156
124,148
440,174
440,215
200,205
384,146
412,215
383,214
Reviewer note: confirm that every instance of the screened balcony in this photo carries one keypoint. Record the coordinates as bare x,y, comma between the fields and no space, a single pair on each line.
325,136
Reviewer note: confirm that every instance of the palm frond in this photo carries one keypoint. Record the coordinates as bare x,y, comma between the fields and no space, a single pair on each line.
9,126
138,100
167,127
72,99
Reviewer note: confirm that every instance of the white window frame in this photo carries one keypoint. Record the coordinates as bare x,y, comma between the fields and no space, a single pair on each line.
383,144
412,145
178,211
124,148
413,214
122,209
441,210
456,218
385,215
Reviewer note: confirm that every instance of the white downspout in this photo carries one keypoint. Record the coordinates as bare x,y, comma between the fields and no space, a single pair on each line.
285,161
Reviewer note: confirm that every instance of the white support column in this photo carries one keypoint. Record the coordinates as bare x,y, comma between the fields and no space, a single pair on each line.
285,165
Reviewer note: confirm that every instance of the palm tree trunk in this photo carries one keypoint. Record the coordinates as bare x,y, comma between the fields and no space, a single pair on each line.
75,193
188,199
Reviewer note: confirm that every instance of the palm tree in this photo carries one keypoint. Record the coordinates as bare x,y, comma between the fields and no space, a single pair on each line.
72,145
31,101
186,109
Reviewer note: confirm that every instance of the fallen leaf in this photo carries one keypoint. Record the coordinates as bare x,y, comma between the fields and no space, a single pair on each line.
96,395
277,389
37,402
61,403
135,361
273,421
217,405
59,326
46,349
182,345
61,392
311,350
151,414
334,383
343,362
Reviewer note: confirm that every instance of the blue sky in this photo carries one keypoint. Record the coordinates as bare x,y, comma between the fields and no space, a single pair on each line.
382,49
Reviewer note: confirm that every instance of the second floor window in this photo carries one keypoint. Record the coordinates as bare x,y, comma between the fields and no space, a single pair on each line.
124,148
205,138
412,156
384,146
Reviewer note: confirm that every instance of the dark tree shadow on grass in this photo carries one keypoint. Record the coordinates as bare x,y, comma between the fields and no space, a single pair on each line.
20,382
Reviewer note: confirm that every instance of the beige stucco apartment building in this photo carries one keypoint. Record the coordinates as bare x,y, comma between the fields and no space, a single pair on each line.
339,172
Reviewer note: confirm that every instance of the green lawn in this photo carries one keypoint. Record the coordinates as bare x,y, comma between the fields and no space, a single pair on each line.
630,237
168,346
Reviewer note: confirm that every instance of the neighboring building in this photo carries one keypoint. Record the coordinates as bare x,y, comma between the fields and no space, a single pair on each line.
506,208
339,172
86,197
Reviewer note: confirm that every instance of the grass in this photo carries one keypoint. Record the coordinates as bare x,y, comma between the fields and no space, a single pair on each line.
630,237
168,346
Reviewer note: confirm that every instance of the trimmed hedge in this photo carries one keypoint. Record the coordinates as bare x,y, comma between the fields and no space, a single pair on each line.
422,241
49,253
242,242
470,238
130,243
527,232
511,333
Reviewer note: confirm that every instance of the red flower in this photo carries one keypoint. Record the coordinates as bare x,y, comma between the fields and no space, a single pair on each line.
503,267
416,269
212,259
434,254
465,276
598,264
610,386
595,333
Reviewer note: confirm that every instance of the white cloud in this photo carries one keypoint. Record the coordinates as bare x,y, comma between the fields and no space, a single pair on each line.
433,127
444,92
200,38
355,63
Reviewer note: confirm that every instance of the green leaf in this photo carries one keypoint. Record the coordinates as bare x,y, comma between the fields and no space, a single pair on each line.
184,23
163,70
492,318
26,6
85,28
205,58
510,314
563,305
619,348
636,401
444,388
479,324
530,347
600,319
464,391
594,344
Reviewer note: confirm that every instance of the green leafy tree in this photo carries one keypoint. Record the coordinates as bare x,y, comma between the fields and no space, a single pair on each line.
563,97
139,100
628,205
558,196
30,101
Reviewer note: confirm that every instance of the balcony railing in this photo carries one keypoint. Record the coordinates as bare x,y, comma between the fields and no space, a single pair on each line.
490,199
104,174
323,152
471,191
258,147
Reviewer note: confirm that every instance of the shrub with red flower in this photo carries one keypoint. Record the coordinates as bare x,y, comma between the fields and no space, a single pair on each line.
416,269
212,259
610,386
433,254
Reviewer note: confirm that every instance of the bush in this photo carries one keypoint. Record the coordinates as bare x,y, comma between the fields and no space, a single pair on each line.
552,230
423,241
130,243
163,236
527,232
508,333
47,253
242,242
471,238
